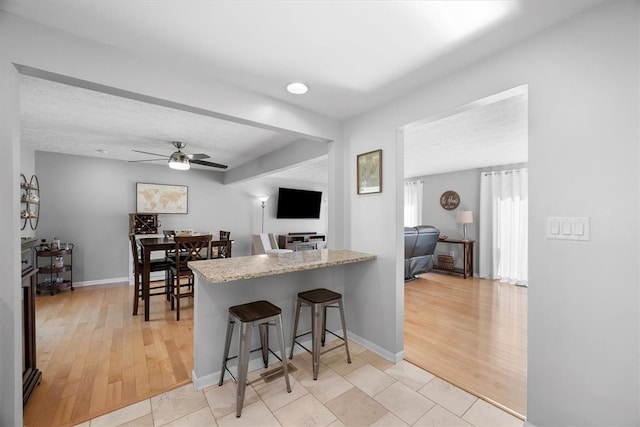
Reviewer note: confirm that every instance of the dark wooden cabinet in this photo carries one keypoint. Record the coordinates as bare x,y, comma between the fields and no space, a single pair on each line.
142,223
31,375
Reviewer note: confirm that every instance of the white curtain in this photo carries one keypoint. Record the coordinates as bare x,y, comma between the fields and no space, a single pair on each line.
413,203
504,217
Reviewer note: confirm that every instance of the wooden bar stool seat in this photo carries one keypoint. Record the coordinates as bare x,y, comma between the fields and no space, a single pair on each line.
319,300
263,313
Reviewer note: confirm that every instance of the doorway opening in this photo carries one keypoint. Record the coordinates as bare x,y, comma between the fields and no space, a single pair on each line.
471,332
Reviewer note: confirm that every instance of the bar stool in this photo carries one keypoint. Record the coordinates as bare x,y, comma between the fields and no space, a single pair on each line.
261,312
319,300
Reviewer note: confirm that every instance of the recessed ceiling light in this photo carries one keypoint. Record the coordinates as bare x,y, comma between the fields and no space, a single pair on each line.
297,88
102,150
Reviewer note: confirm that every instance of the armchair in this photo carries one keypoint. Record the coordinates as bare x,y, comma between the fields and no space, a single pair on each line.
419,247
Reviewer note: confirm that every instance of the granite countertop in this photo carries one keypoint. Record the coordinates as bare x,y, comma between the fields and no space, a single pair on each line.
249,267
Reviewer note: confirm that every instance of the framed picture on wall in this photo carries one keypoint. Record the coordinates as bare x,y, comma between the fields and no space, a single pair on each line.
369,167
161,198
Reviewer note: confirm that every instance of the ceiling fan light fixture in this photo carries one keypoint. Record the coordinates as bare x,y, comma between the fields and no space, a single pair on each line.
179,161
297,88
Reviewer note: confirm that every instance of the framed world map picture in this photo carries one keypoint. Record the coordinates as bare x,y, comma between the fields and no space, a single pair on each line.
161,198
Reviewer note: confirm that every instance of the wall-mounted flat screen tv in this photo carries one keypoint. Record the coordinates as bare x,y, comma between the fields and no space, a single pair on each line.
298,204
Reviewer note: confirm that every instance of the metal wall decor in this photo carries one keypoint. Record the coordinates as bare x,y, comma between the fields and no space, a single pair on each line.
30,201
449,200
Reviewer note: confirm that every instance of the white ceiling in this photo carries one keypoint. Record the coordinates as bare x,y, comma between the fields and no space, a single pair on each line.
355,56
488,132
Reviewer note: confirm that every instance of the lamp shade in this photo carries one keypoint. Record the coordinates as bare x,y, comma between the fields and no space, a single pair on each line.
464,217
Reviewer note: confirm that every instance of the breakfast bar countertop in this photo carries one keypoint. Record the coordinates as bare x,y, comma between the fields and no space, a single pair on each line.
249,267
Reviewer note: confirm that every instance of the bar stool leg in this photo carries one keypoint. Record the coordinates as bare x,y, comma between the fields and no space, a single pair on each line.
264,342
243,365
295,327
227,345
285,366
344,331
316,333
324,324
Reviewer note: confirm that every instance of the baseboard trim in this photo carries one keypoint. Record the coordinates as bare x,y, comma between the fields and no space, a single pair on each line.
111,281
385,354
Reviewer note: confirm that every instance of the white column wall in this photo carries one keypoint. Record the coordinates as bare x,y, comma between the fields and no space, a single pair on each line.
583,160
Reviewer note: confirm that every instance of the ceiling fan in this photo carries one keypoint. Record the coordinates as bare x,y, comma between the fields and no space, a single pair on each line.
180,160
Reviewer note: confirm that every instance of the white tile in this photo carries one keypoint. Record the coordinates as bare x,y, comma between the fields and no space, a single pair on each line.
222,400
306,411
483,414
409,374
199,418
176,404
124,415
84,424
256,414
146,421
369,379
448,396
274,394
407,404
356,408
389,420
440,417
327,386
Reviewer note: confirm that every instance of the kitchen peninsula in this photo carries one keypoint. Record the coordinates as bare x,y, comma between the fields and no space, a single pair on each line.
222,283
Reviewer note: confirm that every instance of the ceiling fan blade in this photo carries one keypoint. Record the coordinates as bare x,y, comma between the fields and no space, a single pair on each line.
148,160
197,156
205,163
153,154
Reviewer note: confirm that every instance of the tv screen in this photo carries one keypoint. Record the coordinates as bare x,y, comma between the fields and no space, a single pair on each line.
298,204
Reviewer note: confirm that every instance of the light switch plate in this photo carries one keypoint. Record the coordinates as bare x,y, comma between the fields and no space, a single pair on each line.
568,228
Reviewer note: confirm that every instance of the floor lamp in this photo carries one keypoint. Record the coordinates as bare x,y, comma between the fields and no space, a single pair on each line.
263,199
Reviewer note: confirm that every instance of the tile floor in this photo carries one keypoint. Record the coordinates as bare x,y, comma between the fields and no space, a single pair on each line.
368,392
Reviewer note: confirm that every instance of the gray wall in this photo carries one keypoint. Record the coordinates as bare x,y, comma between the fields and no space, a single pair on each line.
583,344
467,184
86,201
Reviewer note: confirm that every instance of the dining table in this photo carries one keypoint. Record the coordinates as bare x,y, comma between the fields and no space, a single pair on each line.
151,244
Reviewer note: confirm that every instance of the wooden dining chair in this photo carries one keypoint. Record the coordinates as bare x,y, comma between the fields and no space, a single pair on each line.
156,265
190,248
223,250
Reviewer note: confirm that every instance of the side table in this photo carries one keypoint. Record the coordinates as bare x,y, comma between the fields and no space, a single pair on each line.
467,258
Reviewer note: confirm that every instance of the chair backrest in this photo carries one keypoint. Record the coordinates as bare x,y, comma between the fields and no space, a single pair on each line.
266,242
193,248
134,252
223,251
169,233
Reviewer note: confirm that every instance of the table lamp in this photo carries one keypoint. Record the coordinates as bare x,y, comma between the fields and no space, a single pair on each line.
464,218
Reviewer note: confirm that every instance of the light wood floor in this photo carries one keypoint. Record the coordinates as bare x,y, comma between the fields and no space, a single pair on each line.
96,357
472,333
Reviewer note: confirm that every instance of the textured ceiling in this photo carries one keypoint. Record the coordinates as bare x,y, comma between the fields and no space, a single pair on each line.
71,120
355,56
487,133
